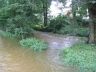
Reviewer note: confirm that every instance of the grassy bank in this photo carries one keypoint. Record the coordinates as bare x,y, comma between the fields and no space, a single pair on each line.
82,56
6,34
35,44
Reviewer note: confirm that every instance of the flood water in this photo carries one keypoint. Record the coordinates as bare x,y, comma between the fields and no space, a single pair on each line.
13,58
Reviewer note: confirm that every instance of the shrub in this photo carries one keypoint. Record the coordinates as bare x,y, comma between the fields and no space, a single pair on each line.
18,19
35,44
58,22
66,30
78,31
82,32
82,56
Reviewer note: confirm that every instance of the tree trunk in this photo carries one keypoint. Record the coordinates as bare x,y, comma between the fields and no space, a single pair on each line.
74,8
45,12
91,34
92,24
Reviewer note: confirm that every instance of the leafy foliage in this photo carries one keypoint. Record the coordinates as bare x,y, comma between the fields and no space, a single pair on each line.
19,18
82,56
64,25
74,31
35,44
58,22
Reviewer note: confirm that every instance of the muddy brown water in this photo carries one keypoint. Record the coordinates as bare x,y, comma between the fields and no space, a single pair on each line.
13,58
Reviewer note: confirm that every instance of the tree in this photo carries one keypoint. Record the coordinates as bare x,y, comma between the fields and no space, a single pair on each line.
46,4
19,16
91,6
83,5
92,25
45,7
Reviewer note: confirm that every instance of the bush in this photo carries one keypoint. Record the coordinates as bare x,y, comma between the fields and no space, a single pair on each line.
66,30
78,31
83,32
82,56
58,22
18,19
64,25
35,44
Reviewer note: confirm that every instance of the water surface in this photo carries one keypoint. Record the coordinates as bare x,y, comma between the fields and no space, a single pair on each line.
13,58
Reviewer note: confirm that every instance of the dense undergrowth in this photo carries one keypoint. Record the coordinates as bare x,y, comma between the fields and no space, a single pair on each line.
34,43
65,25
82,56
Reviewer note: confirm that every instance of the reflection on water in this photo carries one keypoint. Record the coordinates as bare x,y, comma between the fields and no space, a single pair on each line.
16,59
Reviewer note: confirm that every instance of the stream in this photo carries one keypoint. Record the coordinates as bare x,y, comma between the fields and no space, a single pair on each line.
13,58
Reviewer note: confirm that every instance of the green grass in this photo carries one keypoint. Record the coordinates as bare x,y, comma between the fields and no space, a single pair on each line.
35,44
6,34
82,56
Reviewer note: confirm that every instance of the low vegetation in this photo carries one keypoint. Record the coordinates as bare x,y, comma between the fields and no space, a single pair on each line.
6,34
35,44
82,56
